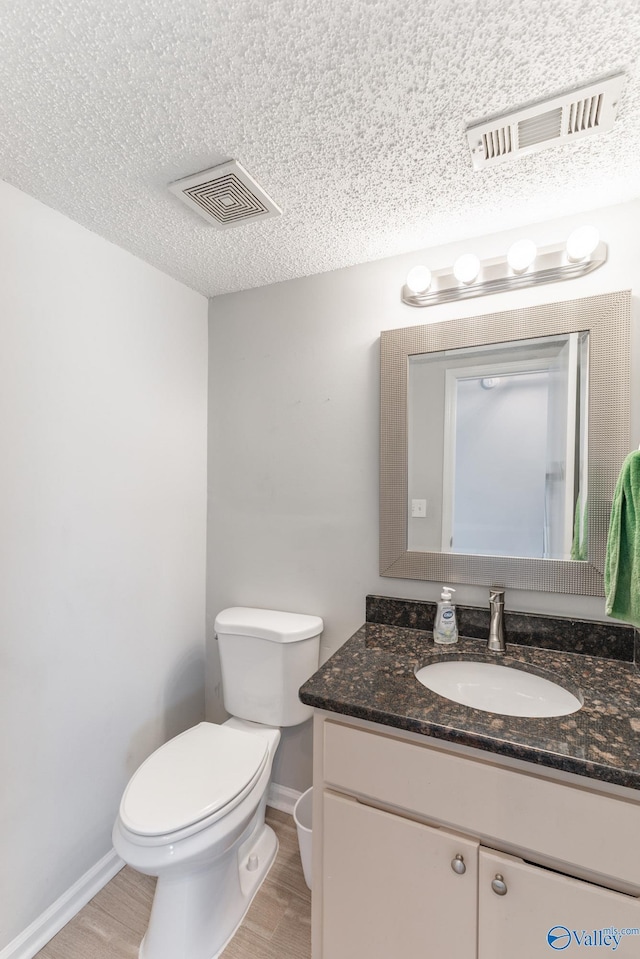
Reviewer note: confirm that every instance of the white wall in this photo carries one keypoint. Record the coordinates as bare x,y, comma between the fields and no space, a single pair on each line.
103,378
293,467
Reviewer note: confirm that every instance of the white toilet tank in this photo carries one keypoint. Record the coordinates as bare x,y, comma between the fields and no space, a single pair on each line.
265,656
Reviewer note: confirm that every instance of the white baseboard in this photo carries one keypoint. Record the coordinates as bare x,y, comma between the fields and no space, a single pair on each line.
51,921
280,797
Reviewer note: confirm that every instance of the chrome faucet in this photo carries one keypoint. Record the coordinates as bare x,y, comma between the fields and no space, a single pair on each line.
496,642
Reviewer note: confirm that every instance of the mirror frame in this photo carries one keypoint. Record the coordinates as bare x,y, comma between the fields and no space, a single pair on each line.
607,318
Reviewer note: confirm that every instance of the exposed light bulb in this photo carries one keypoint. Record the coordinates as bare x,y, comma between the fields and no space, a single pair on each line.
582,242
419,279
466,268
521,255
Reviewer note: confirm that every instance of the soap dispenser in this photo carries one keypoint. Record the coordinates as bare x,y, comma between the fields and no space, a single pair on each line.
445,629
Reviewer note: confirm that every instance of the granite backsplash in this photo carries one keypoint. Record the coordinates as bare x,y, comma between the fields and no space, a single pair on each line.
608,640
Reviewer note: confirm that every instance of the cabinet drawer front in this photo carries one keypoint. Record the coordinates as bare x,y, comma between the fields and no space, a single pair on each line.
541,912
389,888
561,823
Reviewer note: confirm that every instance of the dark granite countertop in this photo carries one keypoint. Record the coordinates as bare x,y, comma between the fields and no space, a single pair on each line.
372,677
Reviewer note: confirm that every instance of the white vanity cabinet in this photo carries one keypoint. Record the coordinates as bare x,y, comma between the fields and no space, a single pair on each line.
425,851
388,880
540,911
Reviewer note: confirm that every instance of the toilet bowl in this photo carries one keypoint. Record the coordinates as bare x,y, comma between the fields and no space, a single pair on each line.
208,870
194,813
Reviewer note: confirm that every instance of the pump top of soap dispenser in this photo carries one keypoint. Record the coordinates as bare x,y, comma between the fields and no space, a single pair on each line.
446,593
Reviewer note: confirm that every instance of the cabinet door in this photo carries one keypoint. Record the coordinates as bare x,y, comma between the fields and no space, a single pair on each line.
542,912
389,889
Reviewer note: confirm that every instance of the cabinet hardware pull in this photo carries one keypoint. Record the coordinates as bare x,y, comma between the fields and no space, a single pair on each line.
458,865
499,886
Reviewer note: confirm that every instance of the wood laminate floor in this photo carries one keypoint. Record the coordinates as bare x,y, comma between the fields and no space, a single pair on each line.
277,926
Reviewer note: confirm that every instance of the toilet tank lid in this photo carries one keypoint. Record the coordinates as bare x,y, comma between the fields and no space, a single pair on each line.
269,624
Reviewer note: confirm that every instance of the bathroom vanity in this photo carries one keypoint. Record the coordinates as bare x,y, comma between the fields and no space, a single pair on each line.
445,831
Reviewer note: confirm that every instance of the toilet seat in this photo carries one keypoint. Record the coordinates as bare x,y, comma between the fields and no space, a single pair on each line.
199,775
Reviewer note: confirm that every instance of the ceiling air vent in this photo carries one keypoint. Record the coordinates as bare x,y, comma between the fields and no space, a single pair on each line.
225,196
582,112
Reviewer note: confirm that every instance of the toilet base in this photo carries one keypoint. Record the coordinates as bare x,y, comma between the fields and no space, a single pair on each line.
195,916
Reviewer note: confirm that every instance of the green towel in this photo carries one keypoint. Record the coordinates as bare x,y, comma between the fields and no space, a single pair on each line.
622,563
580,545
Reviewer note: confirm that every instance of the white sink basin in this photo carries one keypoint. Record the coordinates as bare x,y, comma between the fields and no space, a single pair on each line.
497,689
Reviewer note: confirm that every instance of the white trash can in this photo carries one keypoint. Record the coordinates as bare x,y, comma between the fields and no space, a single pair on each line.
302,818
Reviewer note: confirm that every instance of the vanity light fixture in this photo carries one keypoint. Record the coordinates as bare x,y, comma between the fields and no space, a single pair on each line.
521,255
582,242
466,268
419,279
524,265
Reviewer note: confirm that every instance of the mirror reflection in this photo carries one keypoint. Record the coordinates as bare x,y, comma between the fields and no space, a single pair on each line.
497,462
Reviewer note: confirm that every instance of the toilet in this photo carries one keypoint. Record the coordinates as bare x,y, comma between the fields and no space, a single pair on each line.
194,813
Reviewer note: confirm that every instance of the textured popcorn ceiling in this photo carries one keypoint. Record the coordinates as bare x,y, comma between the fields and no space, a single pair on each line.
350,113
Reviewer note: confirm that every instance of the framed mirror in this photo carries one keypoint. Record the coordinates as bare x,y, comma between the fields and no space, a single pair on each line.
502,437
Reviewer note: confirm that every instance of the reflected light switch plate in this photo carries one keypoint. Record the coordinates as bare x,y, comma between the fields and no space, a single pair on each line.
418,508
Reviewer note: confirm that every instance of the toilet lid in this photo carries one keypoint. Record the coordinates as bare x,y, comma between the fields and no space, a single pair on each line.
191,777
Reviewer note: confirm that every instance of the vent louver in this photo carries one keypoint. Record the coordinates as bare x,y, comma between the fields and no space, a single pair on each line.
497,143
582,112
539,129
225,196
